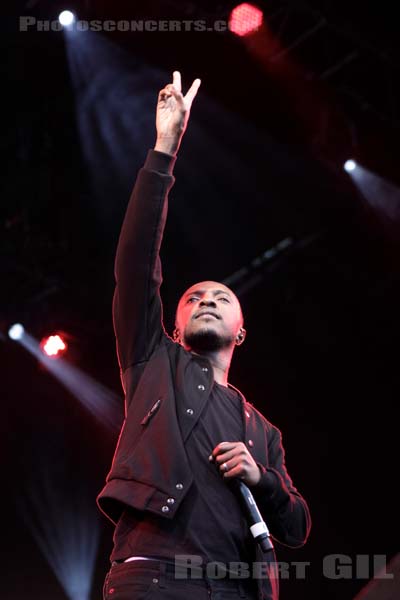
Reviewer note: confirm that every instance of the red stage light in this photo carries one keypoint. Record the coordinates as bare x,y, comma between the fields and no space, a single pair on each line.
245,18
53,346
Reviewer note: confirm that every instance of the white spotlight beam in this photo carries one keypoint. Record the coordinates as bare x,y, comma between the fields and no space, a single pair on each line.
101,402
64,525
382,195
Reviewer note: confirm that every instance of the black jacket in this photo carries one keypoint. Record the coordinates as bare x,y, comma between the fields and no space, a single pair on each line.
150,464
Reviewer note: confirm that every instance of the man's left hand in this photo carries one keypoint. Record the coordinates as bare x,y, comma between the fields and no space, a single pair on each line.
234,460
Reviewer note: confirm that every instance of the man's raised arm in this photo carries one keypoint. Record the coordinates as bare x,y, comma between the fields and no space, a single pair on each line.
137,308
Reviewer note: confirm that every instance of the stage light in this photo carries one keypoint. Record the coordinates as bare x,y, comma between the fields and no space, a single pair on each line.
53,346
102,403
245,19
66,18
350,165
16,331
382,195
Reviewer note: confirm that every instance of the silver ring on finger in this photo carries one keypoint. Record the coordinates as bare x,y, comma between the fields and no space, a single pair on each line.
225,467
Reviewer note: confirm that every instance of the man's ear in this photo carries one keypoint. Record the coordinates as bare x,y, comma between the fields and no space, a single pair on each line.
176,335
241,336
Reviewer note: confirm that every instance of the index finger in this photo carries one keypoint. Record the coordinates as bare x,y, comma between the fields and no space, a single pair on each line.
222,447
191,93
176,80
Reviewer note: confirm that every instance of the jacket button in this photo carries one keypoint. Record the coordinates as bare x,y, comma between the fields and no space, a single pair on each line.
251,443
165,508
201,387
189,411
179,486
205,369
170,500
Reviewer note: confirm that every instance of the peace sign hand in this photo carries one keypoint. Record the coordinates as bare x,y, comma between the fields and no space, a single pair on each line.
173,111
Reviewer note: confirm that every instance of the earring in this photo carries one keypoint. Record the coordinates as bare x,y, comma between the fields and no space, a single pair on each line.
240,336
176,335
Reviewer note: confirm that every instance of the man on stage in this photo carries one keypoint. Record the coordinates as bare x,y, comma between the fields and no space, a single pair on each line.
187,432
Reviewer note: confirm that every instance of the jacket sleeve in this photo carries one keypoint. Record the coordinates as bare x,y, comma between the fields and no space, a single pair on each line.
137,308
285,511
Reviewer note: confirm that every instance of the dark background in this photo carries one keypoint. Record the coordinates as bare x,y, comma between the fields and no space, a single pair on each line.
262,161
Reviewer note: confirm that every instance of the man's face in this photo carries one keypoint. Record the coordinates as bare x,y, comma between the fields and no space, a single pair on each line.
209,316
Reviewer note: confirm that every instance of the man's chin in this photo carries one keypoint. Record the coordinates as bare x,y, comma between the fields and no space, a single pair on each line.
206,340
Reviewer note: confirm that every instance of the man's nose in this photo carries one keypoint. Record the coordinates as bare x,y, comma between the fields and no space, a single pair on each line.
207,302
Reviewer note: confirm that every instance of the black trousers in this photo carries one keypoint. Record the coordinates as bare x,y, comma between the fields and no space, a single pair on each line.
156,580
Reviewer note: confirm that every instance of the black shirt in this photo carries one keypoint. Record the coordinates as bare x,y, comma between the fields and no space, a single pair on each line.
209,522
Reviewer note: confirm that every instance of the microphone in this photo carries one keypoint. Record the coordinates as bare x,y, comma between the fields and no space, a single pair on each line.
257,525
